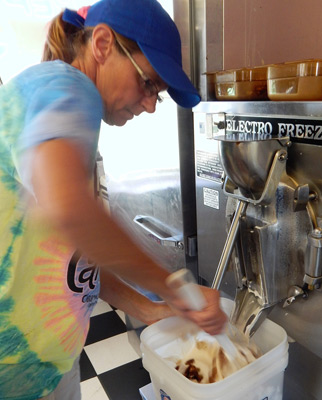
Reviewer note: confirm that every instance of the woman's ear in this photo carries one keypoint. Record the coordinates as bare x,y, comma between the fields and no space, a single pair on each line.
102,42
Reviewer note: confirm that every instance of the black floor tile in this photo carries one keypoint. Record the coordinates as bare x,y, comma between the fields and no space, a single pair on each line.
123,383
87,370
104,326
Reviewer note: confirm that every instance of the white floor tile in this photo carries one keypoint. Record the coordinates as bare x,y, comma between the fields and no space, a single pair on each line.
101,307
93,390
121,314
111,353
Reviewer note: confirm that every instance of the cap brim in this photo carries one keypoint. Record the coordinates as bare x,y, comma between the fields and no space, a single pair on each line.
180,88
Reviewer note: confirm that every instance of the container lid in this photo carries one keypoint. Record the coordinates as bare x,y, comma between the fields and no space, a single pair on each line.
240,75
295,69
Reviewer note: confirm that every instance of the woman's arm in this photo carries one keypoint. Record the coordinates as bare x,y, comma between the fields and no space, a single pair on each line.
61,186
122,296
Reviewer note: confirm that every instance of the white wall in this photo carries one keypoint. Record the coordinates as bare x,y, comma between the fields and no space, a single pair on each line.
23,27
22,31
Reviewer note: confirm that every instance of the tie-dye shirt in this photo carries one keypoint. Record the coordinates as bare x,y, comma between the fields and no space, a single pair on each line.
47,291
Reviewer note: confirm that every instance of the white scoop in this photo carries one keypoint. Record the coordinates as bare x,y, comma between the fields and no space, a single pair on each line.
184,283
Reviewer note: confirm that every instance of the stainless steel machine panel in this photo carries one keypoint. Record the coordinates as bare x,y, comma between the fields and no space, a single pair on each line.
210,199
259,210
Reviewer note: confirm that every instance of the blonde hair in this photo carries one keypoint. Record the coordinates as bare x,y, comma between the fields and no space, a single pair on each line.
65,41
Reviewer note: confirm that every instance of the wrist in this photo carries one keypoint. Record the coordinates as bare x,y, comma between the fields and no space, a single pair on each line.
154,311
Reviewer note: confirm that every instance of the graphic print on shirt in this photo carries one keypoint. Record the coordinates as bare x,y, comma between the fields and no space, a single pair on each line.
81,276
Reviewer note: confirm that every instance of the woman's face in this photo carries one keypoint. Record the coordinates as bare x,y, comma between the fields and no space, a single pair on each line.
122,87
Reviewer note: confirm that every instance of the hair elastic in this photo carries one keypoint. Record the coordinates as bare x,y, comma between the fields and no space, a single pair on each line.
73,18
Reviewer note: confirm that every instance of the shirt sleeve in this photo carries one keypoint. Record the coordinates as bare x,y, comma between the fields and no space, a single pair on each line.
64,107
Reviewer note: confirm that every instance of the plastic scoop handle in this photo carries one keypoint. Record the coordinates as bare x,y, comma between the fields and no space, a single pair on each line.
184,283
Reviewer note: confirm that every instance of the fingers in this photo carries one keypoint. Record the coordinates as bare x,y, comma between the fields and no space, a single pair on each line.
211,322
211,318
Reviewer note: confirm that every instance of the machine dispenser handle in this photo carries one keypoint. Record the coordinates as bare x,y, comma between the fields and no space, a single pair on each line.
229,244
157,231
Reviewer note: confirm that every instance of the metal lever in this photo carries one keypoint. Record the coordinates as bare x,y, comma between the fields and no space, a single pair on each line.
302,196
229,244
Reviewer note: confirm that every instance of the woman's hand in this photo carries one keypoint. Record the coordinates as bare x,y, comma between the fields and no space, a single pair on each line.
211,318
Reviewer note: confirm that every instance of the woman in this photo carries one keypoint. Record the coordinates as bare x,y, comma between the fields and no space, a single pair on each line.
109,61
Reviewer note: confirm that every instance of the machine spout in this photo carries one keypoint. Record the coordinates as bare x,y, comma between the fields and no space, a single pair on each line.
249,312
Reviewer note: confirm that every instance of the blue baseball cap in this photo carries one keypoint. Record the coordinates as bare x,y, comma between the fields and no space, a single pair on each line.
150,26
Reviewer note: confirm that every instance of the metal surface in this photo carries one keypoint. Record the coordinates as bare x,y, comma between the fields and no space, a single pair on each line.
159,232
313,265
208,40
230,242
250,310
264,192
147,182
249,164
277,248
211,203
255,167
262,108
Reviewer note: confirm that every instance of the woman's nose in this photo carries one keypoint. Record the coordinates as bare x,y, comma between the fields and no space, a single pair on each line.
149,103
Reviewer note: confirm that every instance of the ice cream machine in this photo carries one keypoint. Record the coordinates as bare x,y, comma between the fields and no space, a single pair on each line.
259,217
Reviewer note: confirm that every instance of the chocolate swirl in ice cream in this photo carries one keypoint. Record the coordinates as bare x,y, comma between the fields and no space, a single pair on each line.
207,362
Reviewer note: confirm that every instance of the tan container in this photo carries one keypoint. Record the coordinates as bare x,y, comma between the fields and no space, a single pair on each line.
297,81
238,84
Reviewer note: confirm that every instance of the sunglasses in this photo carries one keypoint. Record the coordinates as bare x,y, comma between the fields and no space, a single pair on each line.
148,86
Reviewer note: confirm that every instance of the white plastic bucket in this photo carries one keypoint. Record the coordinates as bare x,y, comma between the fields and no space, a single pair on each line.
260,380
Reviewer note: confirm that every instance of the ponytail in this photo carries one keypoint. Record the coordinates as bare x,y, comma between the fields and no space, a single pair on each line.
64,41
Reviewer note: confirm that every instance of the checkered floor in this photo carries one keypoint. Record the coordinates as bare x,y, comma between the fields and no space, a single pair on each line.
111,367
